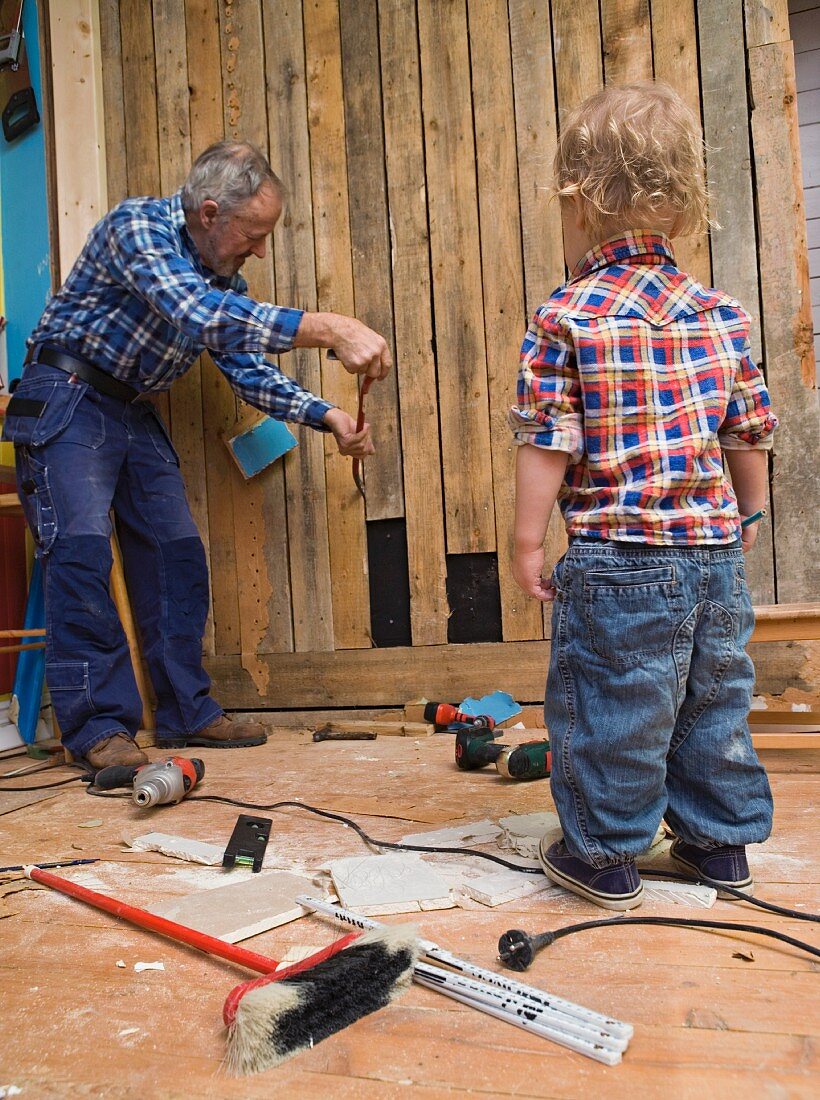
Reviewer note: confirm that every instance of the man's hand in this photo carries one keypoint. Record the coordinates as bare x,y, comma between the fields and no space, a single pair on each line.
348,440
527,569
358,348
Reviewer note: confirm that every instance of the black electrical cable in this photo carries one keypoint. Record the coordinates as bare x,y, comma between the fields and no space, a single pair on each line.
358,829
649,872
517,949
781,910
45,786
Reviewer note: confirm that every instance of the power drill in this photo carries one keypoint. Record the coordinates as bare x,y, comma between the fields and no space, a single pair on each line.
164,781
477,748
446,714
530,760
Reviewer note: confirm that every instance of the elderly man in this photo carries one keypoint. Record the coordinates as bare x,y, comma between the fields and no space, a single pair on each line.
156,283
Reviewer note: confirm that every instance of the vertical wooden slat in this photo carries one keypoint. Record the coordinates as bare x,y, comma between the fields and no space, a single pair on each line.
675,52
454,236
787,323
370,240
502,279
415,363
334,288
173,118
141,124
728,156
260,517
576,36
766,21
537,135
296,286
78,151
139,97
627,39
173,114
536,128
113,103
222,635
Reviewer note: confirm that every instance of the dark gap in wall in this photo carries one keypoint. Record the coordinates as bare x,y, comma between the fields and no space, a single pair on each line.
474,597
389,579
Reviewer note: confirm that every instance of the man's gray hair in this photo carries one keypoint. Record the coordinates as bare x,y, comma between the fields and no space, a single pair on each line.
229,173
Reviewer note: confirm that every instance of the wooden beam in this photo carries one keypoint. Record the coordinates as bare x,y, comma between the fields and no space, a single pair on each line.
456,264
334,289
305,485
370,240
787,622
787,318
501,271
734,245
627,38
79,128
412,317
389,677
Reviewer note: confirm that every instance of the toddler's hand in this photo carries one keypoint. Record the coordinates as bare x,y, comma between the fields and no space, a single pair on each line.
527,568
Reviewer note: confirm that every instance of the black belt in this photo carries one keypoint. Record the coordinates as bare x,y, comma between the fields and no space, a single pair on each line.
53,357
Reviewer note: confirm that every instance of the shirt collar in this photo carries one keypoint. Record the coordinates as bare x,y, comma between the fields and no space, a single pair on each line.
177,218
647,248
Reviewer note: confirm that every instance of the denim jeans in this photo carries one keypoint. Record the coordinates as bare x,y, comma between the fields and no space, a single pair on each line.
647,699
82,455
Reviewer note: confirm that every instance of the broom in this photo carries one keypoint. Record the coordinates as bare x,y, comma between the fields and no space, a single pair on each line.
269,1019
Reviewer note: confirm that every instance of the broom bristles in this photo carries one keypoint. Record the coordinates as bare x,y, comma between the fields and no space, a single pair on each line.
274,1021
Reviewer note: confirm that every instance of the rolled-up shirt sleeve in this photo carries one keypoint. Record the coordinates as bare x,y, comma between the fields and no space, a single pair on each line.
264,386
749,422
549,412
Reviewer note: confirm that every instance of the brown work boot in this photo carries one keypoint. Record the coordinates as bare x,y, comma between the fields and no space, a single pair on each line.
223,733
117,749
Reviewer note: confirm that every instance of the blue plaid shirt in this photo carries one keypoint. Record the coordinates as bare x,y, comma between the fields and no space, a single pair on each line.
140,305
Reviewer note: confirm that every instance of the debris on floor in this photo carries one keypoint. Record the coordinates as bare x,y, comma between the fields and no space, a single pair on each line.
399,883
140,966
178,847
242,909
474,832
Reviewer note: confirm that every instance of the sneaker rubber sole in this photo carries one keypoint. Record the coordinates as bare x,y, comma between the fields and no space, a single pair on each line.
745,886
618,902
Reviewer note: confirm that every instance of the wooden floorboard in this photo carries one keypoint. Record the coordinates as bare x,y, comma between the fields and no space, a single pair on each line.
706,1022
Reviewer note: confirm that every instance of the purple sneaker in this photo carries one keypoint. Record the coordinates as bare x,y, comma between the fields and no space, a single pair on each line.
616,887
726,865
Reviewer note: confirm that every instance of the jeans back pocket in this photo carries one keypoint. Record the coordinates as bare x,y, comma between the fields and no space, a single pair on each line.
631,610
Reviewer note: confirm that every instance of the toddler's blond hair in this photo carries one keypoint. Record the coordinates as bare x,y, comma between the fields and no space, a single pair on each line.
634,152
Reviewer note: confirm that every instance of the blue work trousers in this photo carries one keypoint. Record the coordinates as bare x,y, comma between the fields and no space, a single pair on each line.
81,455
647,700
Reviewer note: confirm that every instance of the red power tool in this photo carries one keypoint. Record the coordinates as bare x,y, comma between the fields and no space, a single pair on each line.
445,714
164,781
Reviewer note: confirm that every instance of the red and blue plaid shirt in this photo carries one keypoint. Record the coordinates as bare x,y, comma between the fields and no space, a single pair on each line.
643,376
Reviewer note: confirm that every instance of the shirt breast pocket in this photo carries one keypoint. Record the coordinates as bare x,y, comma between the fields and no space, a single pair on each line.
42,411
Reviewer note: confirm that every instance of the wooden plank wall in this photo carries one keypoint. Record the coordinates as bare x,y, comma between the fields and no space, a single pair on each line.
416,141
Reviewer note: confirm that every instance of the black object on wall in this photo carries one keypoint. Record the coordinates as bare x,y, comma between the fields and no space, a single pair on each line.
474,597
389,582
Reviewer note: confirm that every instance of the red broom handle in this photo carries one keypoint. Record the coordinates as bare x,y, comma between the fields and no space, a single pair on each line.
152,923
200,940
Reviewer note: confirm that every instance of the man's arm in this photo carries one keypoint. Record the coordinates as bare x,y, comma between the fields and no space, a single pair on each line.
143,256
